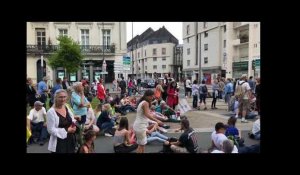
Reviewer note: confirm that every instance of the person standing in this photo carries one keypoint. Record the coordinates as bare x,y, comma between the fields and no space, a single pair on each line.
195,92
43,90
141,122
30,93
257,93
215,88
60,125
101,92
188,87
65,84
203,94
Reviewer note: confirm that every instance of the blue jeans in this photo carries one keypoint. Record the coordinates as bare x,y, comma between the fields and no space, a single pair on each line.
38,130
157,136
107,125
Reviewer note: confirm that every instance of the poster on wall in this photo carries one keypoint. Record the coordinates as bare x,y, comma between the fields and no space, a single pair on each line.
183,106
61,75
73,77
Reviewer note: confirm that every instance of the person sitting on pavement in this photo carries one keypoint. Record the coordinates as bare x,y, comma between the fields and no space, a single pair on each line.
231,129
218,136
187,142
88,146
37,117
255,133
90,123
121,138
98,110
154,135
227,147
158,115
104,122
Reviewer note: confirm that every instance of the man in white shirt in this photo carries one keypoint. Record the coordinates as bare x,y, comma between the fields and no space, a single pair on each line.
37,117
256,129
188,87
244,104
218,137
227,147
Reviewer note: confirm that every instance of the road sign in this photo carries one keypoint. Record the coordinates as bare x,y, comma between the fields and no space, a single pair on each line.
126,60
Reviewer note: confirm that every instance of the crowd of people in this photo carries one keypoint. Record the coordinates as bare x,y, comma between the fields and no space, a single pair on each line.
72,124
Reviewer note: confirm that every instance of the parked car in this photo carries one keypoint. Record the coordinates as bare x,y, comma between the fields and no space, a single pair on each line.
148,83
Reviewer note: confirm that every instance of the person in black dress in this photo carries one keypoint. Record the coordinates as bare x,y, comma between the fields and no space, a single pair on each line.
30,93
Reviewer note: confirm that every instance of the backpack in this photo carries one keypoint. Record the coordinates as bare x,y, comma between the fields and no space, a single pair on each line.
204,89
239,93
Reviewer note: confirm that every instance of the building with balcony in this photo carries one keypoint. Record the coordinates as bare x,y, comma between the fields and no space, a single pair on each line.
98,41
226,48
152,53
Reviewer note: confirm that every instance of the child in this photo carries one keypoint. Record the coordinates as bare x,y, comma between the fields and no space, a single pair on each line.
88,146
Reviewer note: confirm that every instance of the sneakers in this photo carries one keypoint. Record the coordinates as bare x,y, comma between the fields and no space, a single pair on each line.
244,121
108,135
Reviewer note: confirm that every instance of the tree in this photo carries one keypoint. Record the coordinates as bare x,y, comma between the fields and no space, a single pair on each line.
67,56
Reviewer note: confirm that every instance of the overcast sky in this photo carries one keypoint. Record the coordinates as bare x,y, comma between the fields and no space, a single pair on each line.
139,27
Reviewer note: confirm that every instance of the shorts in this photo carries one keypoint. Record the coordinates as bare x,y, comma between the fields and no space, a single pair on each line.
141,137
244,105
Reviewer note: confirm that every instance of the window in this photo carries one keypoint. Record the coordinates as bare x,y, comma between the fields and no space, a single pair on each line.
62,32
154,67
164,66
188,51
255,45
145,59
188,40
145,67
164,58
163,51
205,60
138,54
85,37
154,58
145,52
188,29
40,38
224,29
154,51
205,34
106,38
188,62
224,43
205,46
204,25
139,61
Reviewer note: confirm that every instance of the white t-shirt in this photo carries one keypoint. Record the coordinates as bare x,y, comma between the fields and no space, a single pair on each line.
218,139
37,116
256,126
188,83
245,86
235,150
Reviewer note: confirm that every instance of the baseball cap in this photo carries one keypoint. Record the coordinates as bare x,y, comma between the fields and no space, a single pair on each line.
38,103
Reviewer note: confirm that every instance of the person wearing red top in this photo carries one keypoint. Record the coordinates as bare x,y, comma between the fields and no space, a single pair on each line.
101,92
172,95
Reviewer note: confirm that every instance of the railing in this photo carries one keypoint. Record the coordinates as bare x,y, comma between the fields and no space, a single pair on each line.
84,48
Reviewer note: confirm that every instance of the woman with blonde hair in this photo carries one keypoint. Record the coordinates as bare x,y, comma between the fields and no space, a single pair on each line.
60,125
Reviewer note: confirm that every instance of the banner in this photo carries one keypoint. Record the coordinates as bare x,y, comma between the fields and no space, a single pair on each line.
183,106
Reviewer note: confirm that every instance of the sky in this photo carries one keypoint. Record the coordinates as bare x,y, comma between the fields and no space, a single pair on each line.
175,28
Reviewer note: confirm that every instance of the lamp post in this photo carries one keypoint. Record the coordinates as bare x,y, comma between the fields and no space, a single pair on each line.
103,63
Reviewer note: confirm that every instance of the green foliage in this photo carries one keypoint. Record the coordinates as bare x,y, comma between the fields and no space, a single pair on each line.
67,56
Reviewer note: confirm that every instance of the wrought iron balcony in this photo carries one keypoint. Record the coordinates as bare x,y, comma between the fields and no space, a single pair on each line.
86,49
